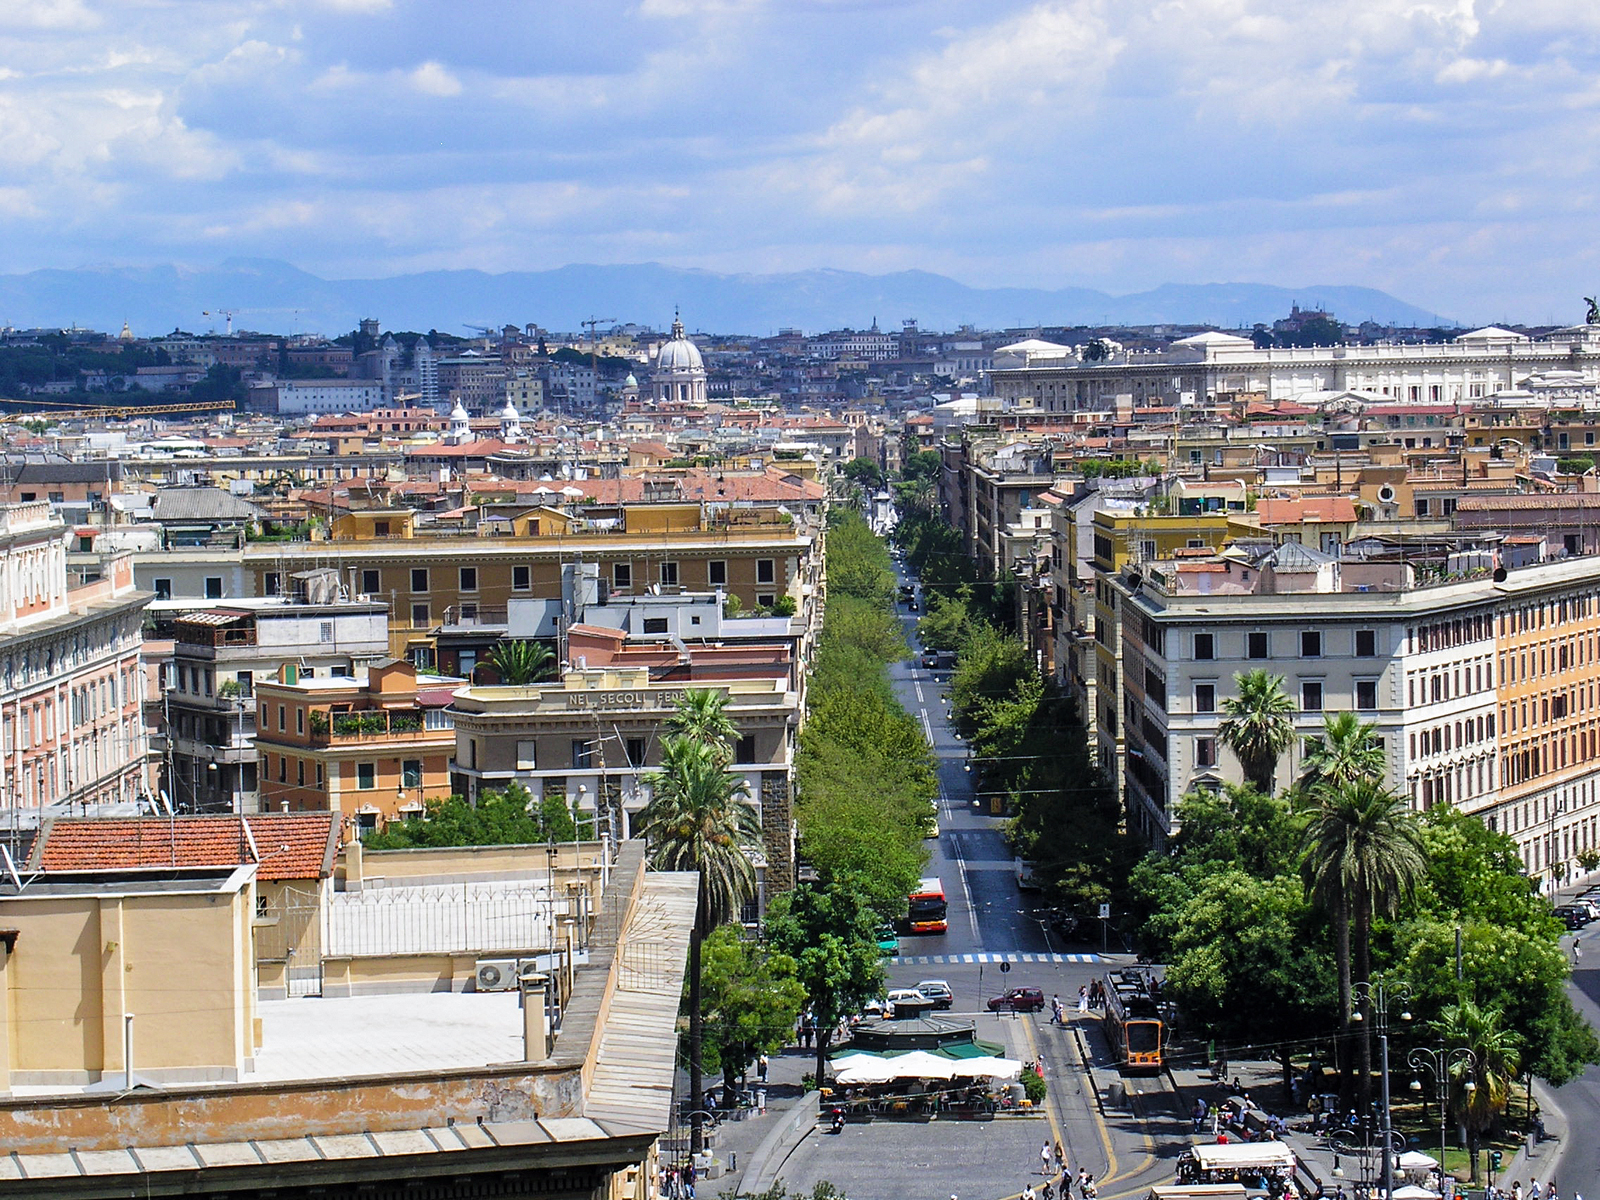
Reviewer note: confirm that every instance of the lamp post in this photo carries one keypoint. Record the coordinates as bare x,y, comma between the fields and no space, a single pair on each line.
1557,808
1440,1064
1377,995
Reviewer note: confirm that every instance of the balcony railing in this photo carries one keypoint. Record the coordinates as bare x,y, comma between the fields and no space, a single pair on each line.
473,615
370,726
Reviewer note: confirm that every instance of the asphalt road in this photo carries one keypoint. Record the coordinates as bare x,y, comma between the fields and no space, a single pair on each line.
1580,1099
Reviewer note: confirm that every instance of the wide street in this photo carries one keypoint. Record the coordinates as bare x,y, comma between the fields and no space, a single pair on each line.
992,923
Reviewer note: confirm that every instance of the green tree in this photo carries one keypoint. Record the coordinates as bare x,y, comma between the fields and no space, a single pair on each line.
947,622
500,818
750,998
698,819
924,464
1496,1062
1363,856
521,661
1258,726
701,714
863,471
1348,750
832,938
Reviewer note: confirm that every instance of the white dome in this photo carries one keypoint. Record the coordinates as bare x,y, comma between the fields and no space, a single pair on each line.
459,412
680,354
510,413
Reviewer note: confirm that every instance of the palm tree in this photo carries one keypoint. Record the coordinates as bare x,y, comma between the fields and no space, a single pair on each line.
1496,1061
699,819
1348,750
521,661
1259,726
1363,855
702,715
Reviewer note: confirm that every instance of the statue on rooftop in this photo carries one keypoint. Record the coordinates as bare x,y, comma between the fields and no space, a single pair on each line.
1593,316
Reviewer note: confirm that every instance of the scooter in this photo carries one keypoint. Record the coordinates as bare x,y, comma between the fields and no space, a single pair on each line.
838,1121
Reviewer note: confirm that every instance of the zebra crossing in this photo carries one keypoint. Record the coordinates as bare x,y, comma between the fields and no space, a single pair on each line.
944,960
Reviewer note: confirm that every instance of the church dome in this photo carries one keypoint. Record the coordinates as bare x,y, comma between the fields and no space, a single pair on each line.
510,413
679,354
630,381
459,413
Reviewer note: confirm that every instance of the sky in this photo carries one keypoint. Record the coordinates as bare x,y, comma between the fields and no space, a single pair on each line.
1442,150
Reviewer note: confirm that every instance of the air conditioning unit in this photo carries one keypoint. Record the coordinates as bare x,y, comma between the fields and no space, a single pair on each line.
497,974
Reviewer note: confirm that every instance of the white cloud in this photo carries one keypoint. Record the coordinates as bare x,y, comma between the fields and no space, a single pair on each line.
47,14
434,79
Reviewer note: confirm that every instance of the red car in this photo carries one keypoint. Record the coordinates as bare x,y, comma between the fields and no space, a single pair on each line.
1019,999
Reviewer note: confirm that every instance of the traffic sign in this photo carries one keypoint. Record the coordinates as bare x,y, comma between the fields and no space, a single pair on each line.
1005,968
1105,912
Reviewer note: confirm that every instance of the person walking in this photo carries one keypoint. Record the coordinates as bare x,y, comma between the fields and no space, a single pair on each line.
1577,951
1058,1011
761,1068
1044,1160
1061,1158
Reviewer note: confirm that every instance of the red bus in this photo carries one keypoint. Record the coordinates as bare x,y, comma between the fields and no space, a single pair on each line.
926,907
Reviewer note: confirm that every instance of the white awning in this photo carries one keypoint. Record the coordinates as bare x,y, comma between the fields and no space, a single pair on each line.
1244,1156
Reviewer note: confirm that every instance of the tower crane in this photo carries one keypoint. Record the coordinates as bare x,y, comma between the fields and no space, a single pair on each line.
229,313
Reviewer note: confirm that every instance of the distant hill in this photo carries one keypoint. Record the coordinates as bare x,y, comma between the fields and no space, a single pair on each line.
276,296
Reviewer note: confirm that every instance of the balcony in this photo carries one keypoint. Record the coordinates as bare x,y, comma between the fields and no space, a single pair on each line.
473,616
374,725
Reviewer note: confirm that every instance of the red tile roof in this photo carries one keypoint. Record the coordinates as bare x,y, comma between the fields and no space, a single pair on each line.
289,845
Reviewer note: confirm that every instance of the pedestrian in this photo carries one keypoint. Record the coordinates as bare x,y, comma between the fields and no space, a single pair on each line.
1577,952
1516,1189
1061,1158
761,1069
689,1175
1058,1012
1534,1191
1083,999
1090,1191
1198,1114
1083,1180
1044,1160
1028,1192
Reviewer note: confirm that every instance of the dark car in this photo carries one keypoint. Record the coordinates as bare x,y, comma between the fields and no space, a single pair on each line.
1019,999
930,659
1572,916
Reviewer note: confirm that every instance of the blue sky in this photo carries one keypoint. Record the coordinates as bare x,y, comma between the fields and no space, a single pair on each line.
1444,150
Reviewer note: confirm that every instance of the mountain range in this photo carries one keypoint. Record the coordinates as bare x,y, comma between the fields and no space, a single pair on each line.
276,296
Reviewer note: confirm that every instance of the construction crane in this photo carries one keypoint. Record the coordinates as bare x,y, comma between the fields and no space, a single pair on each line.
223,312
119,412
590,325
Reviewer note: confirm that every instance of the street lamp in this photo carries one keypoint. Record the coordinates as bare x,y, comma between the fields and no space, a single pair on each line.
1377,994
1441,1064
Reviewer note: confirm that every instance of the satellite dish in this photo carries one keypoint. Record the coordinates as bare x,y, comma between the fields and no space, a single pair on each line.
1134,579
1499,574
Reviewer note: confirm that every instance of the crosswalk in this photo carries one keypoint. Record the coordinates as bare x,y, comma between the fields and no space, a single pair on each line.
943,960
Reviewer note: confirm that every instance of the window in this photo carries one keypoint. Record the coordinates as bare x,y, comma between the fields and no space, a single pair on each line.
635,749
669,574
745,750
1366,694
324,633
527,756
1205,646
213,587
1205,752
1205,697
582,754
283,769
717,572
366,776
247,684
521,579
371,582
1311,643
300,772
1256,645
299,720
655,625
469,579
621,576
283,718
380,529
1366,643
163,589
411,773
270,583
421,617
419,579
1311,695
766,570
765,599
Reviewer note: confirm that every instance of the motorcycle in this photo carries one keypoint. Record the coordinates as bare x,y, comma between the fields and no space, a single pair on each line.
837,1125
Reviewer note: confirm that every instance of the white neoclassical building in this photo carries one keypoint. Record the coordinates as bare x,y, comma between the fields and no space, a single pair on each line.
680,373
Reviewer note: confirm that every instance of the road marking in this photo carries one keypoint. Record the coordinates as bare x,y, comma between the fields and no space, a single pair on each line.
940,960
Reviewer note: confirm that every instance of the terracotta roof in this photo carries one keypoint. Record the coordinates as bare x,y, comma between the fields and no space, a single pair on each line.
1553,502
289,845
1306,508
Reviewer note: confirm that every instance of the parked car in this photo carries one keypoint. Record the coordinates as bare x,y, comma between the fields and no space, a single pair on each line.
1590,903
908,1002
1018,999
1572,916
888,940
937,990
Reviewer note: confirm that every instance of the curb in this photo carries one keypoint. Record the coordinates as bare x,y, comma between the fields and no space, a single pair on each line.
765,1163
1545,1164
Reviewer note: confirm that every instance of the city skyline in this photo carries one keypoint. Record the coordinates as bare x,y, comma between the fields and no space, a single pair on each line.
1400,147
